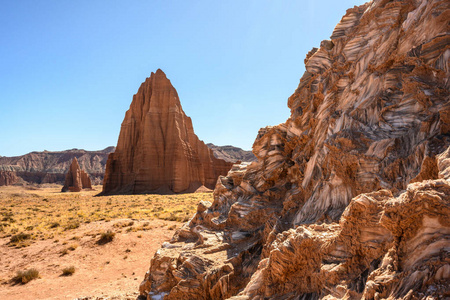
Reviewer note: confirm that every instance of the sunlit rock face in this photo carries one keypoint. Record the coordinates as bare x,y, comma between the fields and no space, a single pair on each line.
350,197
157,150
8,178
76,179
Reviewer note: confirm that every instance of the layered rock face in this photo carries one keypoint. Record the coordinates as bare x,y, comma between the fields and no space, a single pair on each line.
231,154
76,179
51,166
350,197
157,150
8,178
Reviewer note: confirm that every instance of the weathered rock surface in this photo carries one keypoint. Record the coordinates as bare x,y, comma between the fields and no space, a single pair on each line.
350,198
8,178
157,150
231,153
51,166
76,179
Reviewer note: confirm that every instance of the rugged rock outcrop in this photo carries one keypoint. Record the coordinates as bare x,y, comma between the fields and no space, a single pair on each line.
8,178
350,197
76,179
157,150
231,153
51,166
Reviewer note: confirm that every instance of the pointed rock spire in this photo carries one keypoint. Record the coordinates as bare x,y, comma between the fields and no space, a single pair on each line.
157,150
76,179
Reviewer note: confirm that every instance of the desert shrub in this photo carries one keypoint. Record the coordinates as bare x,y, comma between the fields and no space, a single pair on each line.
54,225
73,247
68,271
17,238
106,237
74,224
26,276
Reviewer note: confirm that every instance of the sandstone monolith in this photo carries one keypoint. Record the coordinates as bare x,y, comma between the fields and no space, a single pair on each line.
157,150
76,179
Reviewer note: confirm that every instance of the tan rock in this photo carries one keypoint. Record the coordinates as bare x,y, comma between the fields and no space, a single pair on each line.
158,150
76,179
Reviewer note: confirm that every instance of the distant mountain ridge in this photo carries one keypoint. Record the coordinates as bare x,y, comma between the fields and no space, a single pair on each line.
51,166
231,154
41,167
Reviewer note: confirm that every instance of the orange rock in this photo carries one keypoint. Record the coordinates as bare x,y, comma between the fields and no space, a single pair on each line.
158,151
76,179
329,211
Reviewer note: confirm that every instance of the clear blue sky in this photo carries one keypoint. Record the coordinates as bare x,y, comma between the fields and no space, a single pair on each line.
69,69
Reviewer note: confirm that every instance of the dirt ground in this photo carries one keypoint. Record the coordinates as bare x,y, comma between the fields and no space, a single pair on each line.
112,270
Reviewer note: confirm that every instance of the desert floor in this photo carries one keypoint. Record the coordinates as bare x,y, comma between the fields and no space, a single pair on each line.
49,231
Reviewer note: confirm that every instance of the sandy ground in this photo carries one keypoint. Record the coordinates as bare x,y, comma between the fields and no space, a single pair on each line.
110,271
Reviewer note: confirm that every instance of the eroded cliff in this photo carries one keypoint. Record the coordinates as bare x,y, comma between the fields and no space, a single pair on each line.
51,166
350,197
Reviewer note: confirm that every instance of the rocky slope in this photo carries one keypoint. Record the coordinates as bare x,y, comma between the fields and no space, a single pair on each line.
157,150
51,167
76,179
350,197
231,153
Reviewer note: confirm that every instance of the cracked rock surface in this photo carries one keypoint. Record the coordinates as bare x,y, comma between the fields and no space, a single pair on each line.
349,198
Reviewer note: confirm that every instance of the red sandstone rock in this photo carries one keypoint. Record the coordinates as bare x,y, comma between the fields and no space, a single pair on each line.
157,150
8,178
76,179
329,211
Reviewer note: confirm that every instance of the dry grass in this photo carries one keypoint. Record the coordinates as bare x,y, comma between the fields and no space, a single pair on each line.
25,276
44,213
68,271
106,237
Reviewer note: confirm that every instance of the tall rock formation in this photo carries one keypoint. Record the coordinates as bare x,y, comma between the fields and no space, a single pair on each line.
350,198
157,150
76,179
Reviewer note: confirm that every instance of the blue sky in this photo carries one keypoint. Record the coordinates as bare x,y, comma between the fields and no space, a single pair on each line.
69,69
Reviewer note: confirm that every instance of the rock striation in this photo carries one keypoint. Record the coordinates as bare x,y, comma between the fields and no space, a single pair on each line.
157,150
76,179
8,178
231,154
51,166
350,197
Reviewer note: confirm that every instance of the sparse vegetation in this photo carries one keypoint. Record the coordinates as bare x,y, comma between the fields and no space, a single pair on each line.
72,224
20,240
68,271
24,211
25,276
106,237
19,237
